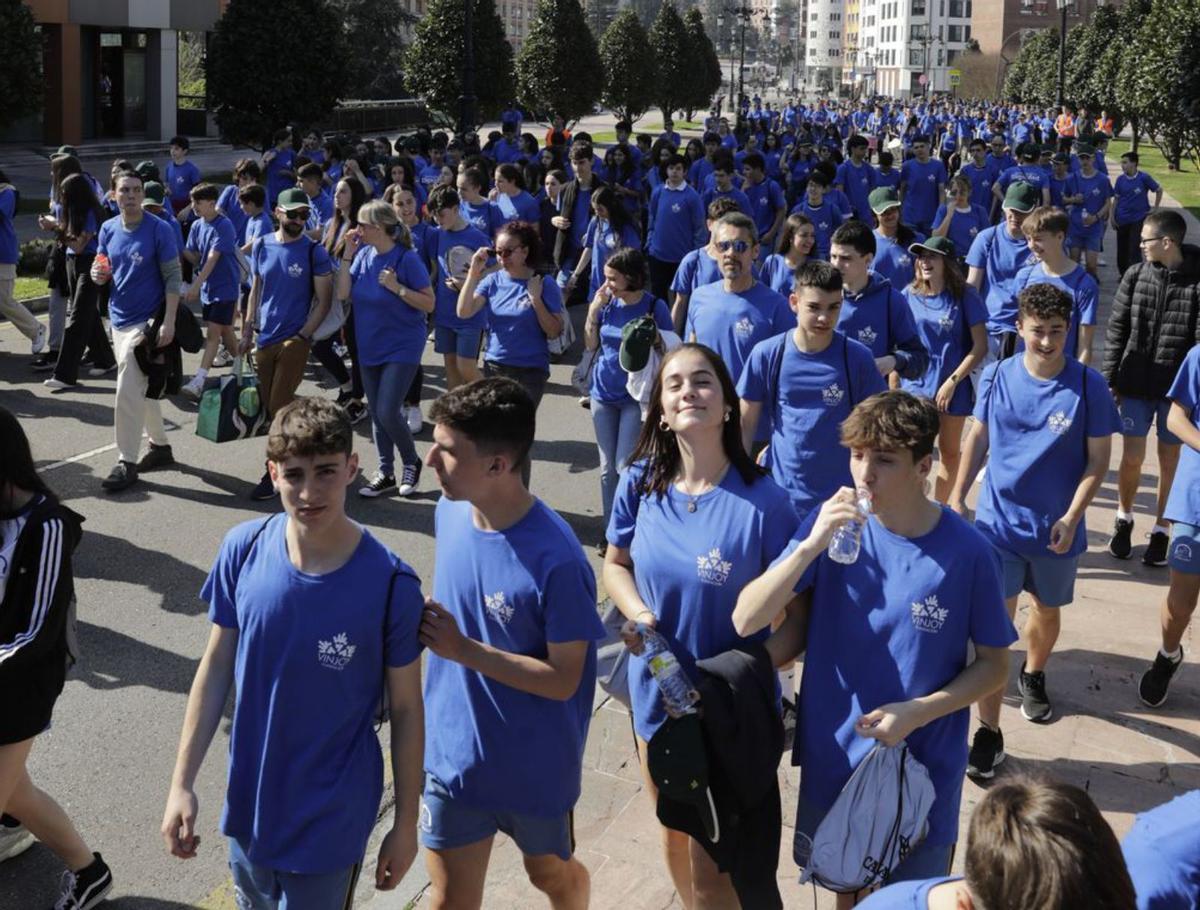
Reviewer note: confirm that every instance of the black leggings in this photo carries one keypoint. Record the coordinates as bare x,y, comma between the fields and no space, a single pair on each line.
1129,245
326,355
84,329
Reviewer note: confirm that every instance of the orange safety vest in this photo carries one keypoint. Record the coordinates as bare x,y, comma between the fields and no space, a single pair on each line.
1104,126
1065,125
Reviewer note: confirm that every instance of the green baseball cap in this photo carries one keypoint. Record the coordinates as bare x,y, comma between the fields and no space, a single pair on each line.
637,338
66,150
153,193
148,170
1022,197
883,198
294,198
943,246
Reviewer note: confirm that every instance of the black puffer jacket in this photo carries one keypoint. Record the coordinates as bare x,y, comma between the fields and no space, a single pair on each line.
1155,321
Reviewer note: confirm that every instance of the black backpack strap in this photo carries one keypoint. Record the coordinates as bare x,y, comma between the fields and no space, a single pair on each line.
846,367
253,540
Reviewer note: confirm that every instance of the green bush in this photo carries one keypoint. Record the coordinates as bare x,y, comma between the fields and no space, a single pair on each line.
34,256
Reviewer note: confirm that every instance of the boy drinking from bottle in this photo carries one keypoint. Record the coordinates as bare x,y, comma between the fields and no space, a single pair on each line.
887,635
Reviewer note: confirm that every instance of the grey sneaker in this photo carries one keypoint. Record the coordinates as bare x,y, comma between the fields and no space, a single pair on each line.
1035,704
987,751
15,838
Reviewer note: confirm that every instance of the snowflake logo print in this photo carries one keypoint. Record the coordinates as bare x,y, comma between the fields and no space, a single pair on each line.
832,394
676,207
946,321
867,335
928,615
137,258
336,653
498,608
295,270
1059,423
712,569
744,327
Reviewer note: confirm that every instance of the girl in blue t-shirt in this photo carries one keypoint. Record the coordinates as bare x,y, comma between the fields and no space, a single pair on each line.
512,201
959,219
951,321
609,229
389,288
693,520
624,177
796,241
616,417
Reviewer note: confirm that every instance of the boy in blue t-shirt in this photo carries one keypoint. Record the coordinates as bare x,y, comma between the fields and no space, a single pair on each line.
1047,422
1090,207
305,768
212,249
1183,511
1131,190
889,637
922,180
181,176
511,629
820,211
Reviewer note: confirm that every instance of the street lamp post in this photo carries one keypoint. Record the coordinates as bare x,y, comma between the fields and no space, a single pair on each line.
1063,6
466,101
743,14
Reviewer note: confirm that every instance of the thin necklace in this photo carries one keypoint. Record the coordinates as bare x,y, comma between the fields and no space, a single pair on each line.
693,498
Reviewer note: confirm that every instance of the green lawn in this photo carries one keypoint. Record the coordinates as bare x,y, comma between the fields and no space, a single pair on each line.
1183,185
30,287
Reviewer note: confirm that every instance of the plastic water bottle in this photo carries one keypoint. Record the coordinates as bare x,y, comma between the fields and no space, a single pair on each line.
672,681
846,541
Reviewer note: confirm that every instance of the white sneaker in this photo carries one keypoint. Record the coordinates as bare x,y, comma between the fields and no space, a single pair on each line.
415,419
14,841
39,341
1101,261
223,358
56,385
193,389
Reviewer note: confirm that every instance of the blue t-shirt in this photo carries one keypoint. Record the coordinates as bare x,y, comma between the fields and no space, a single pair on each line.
964,226
305,770
775,274
1133,203
494,747
277,179
981,179
1024,173
1038,431
90,226
913,895
921,195
1000,257
893,626
689,567
887,178
388,328
806,396
137,284
825,220
9,249
521,207
1078,284
217,235
608,377
857,181
287,271
180,180
320,211
766,200
1183,503
445,310
1095,191
732,324
259,225
676,219
483,216
1162,854
603,242
697,269
877,316
893,261
944,325
227,202
515,338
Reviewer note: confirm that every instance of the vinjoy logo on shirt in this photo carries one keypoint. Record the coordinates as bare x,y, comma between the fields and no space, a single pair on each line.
1059,423
867,335
832,395
337,653
712,569
498,608
295,270
744,327
927,616
946,320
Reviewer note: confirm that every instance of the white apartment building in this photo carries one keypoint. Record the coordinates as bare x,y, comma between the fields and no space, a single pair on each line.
824,58
907,47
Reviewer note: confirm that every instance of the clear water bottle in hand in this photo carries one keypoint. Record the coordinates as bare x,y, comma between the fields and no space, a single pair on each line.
846,541
678,696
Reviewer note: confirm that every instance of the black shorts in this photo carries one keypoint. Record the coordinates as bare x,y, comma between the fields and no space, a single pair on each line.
28,701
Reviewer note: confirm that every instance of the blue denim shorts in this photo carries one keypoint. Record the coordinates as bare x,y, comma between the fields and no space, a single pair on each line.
445,823
1184,552
1137,414
259,888
1051,579
465,343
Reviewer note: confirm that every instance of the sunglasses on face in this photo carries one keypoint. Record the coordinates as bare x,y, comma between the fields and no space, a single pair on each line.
296,215
736,246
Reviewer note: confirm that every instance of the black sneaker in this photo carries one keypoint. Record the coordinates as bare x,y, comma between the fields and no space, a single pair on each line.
1156,551
379,484
1152,688
987,751
789,725
1035,704
409,477
123,475
1121,544
157,458
264,489
86,888
355,410
44,363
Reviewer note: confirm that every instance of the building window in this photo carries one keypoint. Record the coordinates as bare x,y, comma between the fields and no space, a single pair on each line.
954,33
916,58
918,7
916,32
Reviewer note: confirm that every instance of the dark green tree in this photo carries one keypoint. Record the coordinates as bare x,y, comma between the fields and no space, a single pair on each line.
1032,77
669,46
433,66
1116,61
702,57
20,62
558,68
252,92
628,66
374,31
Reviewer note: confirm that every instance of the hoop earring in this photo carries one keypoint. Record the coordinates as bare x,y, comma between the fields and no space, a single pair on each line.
662,425
728,412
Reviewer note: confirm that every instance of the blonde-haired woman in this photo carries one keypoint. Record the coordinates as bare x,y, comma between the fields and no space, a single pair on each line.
388,287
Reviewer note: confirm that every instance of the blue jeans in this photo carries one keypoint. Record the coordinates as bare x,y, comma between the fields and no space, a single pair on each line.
386,385
617,427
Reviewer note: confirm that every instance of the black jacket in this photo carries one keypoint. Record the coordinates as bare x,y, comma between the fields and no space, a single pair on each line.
164,366
1153,324
564,249
743,737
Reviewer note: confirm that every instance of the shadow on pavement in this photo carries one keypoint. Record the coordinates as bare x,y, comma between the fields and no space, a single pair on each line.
102,556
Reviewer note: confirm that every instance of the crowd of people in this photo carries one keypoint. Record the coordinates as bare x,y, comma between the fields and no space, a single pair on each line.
812,323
